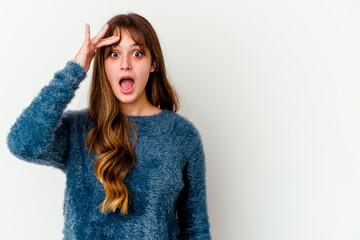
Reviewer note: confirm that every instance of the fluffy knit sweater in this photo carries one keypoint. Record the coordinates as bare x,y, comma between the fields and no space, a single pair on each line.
167,183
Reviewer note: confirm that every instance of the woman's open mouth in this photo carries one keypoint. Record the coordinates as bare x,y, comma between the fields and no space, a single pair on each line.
127,84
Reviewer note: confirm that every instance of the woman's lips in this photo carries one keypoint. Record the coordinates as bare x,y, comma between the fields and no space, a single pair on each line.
127,84
126,76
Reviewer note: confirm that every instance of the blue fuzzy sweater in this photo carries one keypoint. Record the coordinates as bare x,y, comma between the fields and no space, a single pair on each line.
167,183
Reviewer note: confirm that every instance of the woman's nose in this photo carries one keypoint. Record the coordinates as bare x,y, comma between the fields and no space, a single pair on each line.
125,63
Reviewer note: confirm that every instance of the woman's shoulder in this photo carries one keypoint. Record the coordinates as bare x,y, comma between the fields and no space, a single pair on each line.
184,127
187,135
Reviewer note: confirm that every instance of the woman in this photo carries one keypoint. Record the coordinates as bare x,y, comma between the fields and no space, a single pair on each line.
135,169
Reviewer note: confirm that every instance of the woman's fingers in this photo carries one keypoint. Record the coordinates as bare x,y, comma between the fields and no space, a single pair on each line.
100,35
98,40
107,41
87,50
87,32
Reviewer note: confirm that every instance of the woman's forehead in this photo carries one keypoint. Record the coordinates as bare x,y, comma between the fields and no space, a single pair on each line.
132,34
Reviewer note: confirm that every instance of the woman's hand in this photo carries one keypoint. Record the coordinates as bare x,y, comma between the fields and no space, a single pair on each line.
87,50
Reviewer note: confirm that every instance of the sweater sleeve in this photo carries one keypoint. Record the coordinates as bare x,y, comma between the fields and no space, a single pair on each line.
41,133
191,205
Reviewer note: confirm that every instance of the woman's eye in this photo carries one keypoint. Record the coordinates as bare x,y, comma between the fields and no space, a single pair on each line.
138,53
111,54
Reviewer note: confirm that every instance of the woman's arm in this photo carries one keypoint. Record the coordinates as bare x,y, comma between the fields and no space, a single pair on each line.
41,133
191,205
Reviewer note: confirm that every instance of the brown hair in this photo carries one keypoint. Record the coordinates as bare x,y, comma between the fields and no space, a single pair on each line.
111,131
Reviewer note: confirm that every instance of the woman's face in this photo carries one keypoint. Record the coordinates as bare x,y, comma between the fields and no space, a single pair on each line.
128,60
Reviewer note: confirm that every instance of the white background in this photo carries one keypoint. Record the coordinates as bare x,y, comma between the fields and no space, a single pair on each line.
272,86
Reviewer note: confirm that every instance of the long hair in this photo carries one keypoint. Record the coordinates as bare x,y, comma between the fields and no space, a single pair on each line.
110,136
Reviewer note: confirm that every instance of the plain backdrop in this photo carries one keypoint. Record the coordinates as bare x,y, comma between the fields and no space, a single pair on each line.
272,86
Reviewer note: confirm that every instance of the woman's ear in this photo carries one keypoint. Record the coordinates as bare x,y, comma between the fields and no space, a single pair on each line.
153,66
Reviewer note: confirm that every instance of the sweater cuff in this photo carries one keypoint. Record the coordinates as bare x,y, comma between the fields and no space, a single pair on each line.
72,73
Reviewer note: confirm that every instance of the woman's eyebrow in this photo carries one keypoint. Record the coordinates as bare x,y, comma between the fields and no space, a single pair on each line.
132,45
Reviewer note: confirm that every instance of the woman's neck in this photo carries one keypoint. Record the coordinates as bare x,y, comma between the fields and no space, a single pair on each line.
144,109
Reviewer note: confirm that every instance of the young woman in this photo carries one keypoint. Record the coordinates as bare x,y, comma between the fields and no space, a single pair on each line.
135,169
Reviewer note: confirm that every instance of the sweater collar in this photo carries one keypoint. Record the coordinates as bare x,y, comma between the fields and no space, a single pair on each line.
154,124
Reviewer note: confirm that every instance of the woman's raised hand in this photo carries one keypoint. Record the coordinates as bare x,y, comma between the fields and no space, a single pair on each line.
87,50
